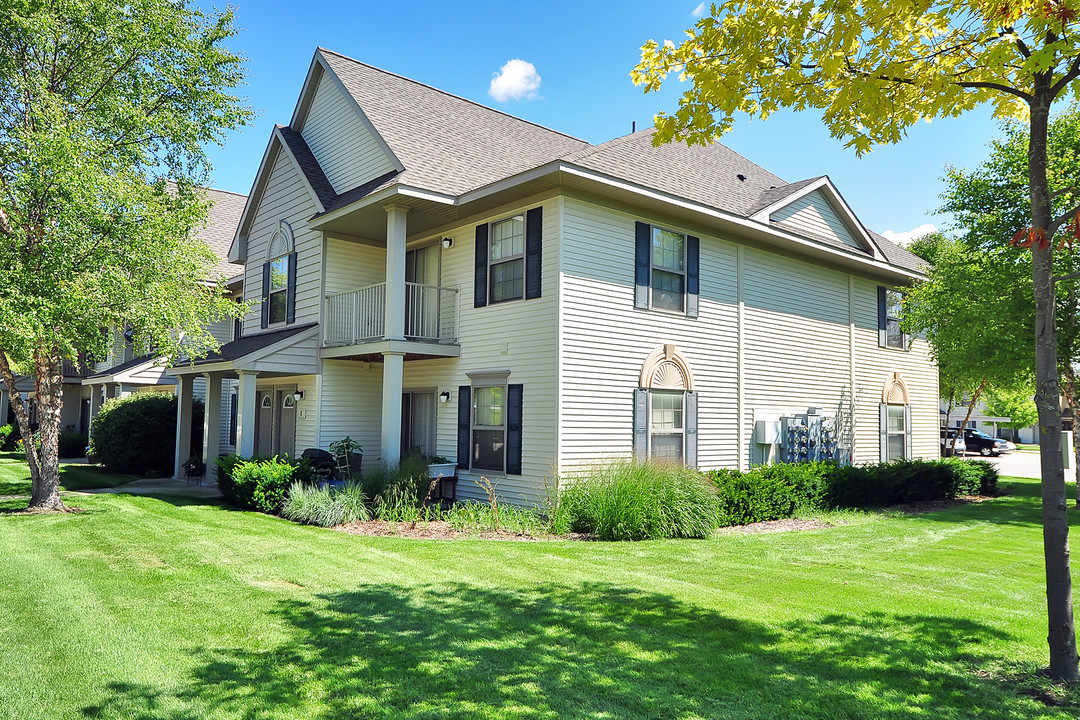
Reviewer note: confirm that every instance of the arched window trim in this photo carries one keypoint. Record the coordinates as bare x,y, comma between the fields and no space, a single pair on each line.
895,381
657,372
281,242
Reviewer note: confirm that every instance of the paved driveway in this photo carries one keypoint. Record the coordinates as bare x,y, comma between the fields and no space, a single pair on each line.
1020,464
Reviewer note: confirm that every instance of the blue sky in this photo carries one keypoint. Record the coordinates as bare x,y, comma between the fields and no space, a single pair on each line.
583,53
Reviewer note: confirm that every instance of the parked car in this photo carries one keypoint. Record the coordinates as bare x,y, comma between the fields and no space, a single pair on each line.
985,445
947,443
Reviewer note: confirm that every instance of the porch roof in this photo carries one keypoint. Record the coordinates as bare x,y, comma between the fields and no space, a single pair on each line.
254,352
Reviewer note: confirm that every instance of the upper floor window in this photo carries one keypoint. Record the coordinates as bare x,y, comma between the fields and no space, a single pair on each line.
666,276
668,279
890,310
506,264
509,259
279,278
279,287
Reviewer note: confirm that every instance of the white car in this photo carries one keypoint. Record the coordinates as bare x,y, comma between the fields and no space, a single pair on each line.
947,436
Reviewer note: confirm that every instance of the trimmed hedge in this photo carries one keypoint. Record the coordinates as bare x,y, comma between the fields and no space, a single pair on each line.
773,492
137,434
72,445
260,483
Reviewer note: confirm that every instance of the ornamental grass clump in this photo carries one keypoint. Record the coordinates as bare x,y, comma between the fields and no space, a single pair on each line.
326,507
634,500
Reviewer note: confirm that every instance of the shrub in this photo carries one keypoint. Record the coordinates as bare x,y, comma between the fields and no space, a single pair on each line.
756,496
137,434
72,445
325,507
265,482
988,476
6,431
633,500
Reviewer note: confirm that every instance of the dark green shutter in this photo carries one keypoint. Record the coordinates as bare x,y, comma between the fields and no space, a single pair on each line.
691,429
480,275
640,424
290,293
534,241
266,295
464,428
513,429
693,252
642,264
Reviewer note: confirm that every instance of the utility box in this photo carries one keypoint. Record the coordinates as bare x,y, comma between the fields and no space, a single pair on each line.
767,432
1066,449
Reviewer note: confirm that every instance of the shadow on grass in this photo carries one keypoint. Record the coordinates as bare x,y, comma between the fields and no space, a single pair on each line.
1021,504
592,650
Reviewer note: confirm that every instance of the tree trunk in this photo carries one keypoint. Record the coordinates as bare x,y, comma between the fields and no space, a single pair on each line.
22,418
970,410
1061,634
49,385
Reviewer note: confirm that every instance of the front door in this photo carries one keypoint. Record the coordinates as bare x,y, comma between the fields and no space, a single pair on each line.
264,423
285,435
275,424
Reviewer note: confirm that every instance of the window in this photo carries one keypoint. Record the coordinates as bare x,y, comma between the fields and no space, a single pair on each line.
666,428
890,308
896,433
506,259
489,428
279,286
668,279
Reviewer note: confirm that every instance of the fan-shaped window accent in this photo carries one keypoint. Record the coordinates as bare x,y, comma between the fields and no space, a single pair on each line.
267,402
666,368
282,241
895,391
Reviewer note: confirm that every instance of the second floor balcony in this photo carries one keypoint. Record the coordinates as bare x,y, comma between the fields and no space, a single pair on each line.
356,317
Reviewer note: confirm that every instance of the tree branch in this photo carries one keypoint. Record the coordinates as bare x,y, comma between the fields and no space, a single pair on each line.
1064,217
996,86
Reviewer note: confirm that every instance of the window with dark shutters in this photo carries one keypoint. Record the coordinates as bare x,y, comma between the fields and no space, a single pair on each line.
509,259
666,270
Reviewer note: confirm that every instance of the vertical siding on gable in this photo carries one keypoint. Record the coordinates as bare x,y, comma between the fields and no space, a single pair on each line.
286,198
347,151
812,213
605,340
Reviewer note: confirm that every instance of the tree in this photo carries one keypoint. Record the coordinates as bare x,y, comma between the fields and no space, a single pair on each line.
99,102
873,69
1013,403
968,312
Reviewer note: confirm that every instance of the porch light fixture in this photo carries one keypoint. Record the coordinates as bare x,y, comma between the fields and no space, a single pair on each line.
298,395
448,243
444,396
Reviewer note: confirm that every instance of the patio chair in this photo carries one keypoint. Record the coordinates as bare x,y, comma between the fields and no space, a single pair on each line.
322,462
194,471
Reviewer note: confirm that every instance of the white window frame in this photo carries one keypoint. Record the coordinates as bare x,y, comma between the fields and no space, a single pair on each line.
902,432
473,426
516,258
680,431
283,290
654,267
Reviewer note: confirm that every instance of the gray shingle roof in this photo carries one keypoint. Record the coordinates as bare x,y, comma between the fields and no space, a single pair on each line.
134,362
309,165
246,345
221,222
898,256
447,144
776,194
709,175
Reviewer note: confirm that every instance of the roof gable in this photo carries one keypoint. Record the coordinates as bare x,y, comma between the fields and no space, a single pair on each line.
814,208
341,137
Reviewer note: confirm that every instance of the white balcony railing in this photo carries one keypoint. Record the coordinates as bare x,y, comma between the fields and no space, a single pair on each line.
358,316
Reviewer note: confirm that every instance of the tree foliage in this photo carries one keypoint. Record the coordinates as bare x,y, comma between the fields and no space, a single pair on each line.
99,103
873,69
1015,403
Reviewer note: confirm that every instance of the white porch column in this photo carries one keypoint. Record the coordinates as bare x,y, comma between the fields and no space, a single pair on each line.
395,272
183,423
212,420
245,415
392,383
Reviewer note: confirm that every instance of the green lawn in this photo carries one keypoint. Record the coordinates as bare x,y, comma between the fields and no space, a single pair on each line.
152,609
15,477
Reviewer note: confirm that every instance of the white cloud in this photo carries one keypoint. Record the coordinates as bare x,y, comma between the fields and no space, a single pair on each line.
903,238
516,80
699,10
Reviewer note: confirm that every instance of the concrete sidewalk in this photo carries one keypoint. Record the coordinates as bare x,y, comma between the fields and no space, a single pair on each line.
161,486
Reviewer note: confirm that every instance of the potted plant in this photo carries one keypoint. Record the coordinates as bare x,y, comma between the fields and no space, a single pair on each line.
350,451
439,466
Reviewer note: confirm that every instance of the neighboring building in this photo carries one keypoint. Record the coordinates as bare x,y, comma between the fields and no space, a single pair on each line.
439,275
124,371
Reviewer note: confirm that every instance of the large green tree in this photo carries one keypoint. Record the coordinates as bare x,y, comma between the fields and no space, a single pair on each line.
873,69
99,102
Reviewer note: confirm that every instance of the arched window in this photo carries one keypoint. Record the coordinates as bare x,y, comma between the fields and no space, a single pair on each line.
895,420
665,408
279,277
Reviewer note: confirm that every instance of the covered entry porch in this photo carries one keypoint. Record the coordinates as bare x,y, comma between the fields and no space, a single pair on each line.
275,376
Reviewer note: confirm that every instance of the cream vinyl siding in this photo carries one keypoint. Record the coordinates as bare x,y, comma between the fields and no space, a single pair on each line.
874,365
351,404
300,355
286,198
605,339
342,143
351,265
797,350
813,214
222,330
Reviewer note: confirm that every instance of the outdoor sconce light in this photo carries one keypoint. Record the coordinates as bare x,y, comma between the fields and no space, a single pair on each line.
448,243
444,396
298,395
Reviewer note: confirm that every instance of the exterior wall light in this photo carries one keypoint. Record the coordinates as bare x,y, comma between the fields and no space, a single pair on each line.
448,243
444,396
